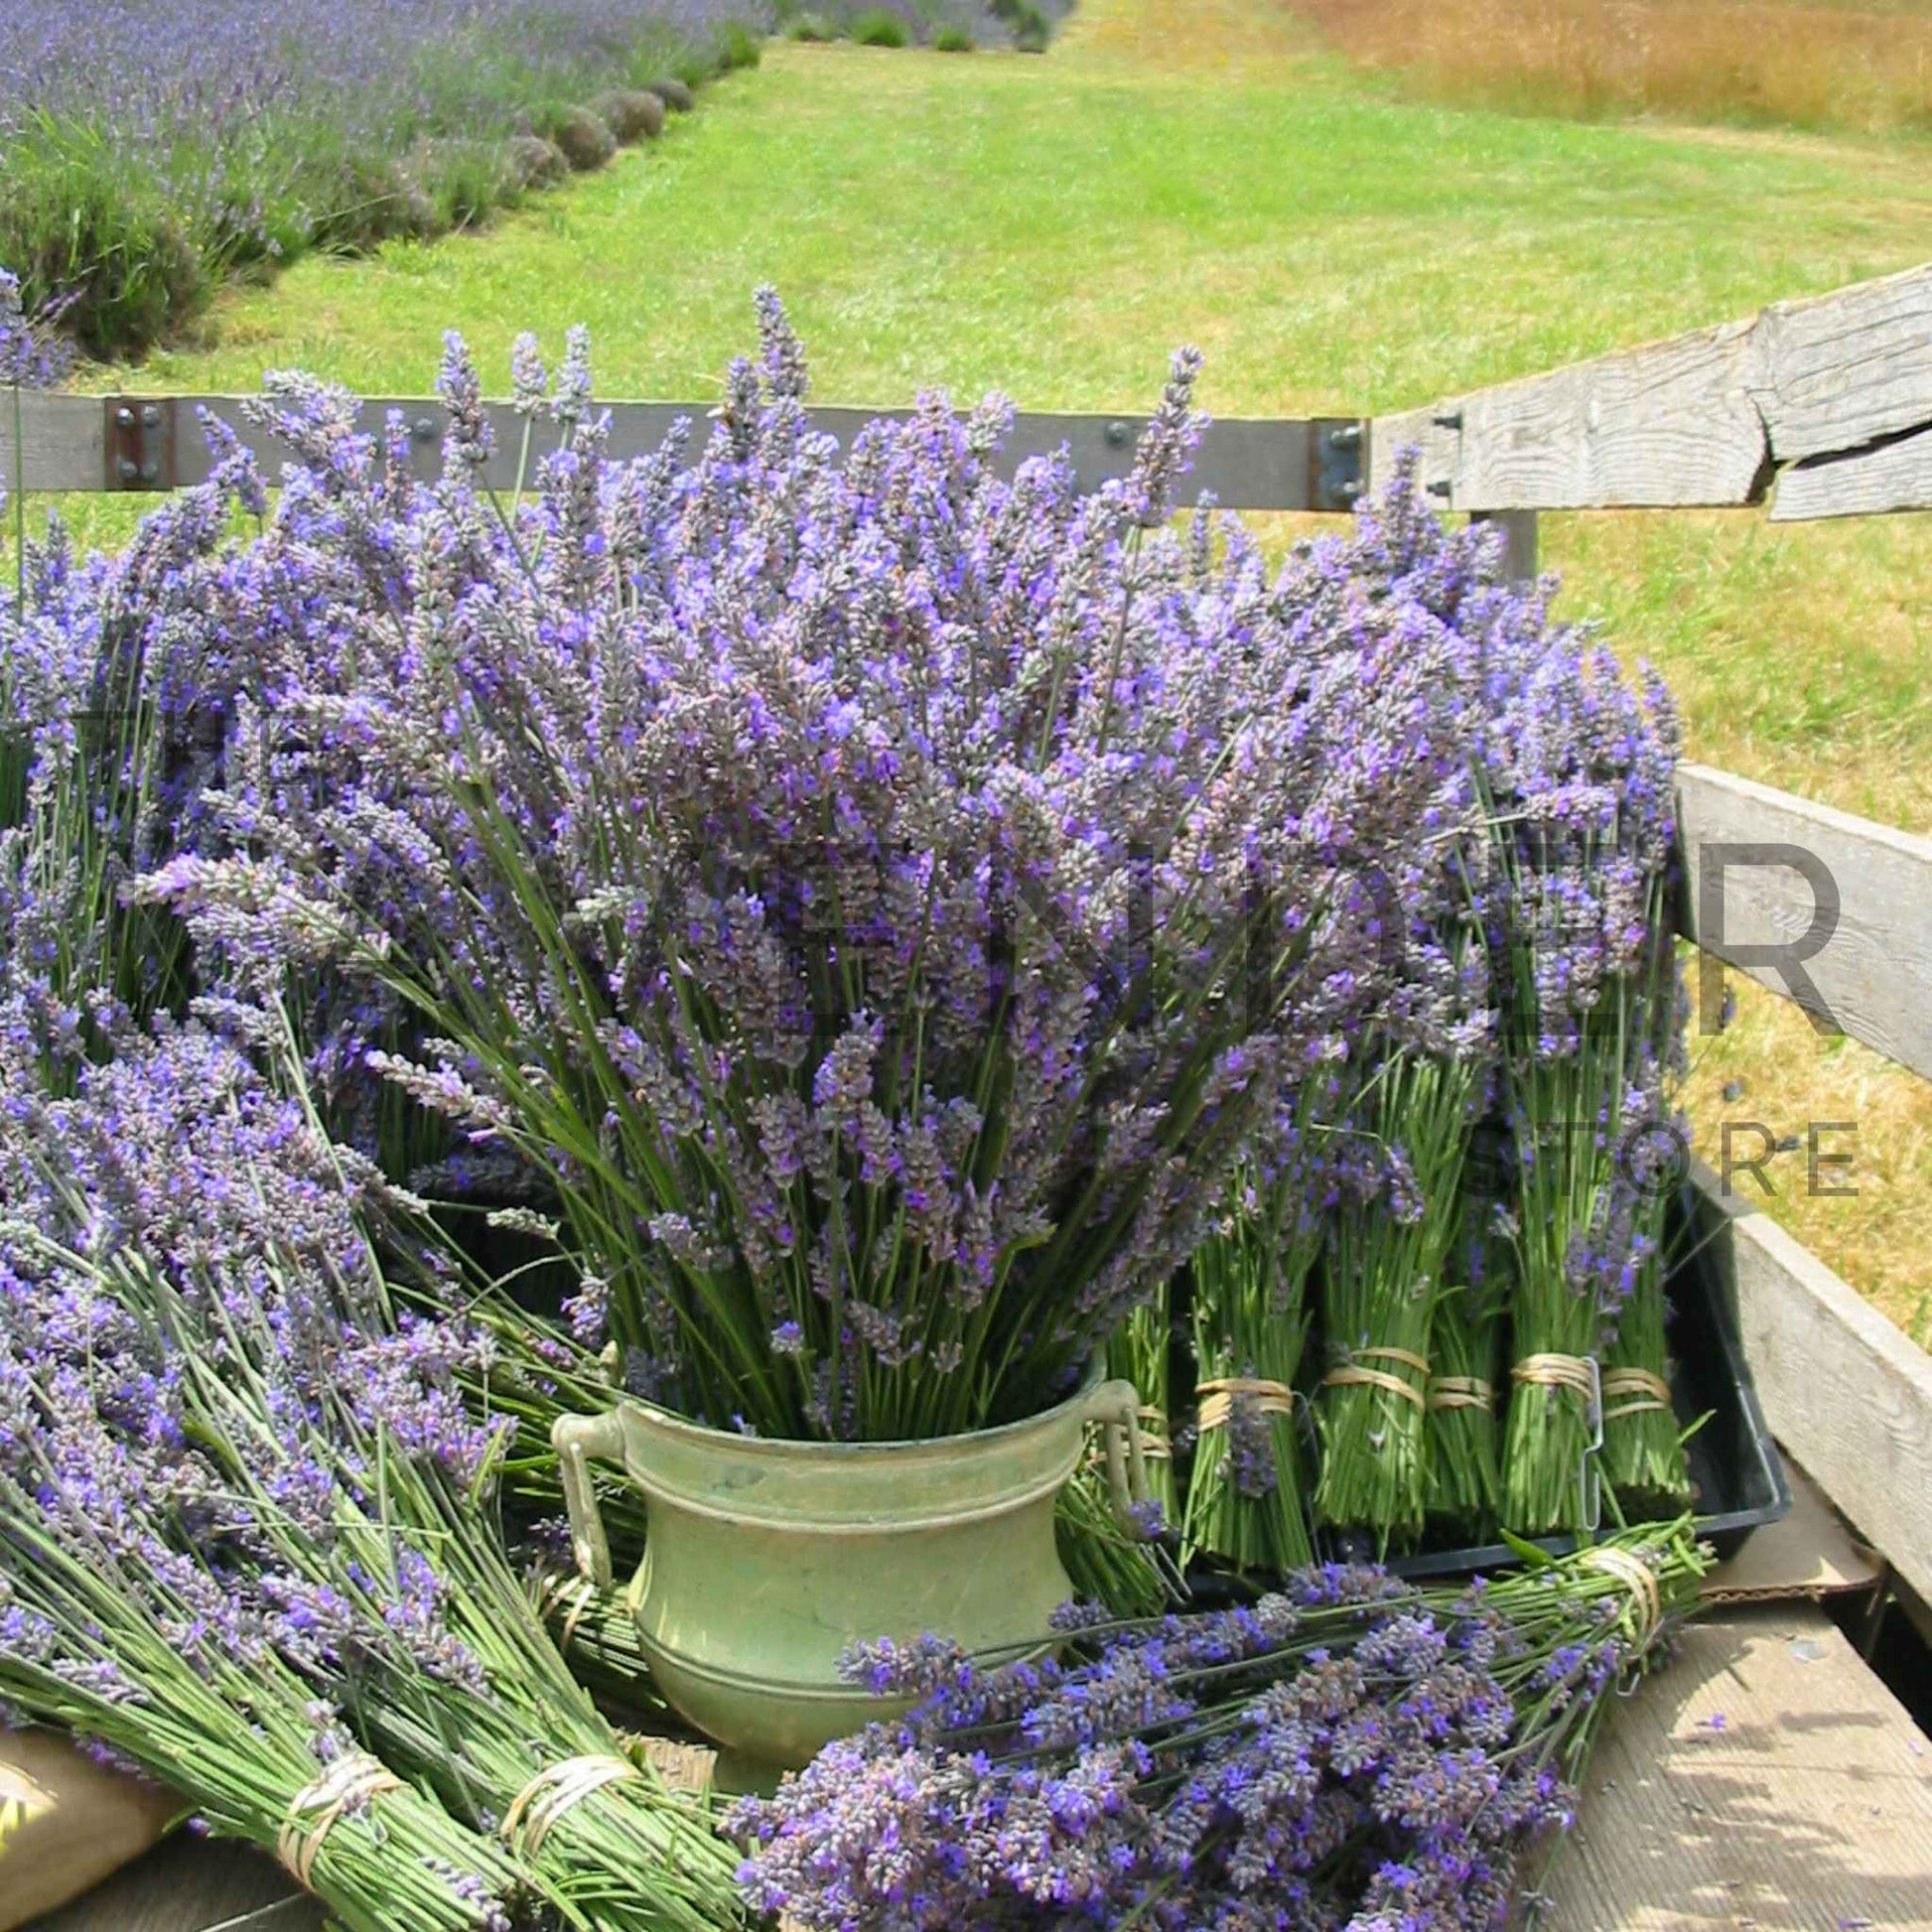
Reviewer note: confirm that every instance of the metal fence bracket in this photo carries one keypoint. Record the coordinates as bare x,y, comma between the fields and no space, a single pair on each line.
140,442
1336,444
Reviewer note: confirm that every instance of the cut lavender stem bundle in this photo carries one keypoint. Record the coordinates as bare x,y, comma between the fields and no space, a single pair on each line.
338,1493
1381,1277
1247,1499
1579,777
1471,1318
1644,1458
1347,1754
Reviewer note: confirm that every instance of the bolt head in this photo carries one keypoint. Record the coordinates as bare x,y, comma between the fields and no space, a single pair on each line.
127,470
422,429
124,418
1117,435
151,471
151,415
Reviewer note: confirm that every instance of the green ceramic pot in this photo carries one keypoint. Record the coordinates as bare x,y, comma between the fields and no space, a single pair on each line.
765,1559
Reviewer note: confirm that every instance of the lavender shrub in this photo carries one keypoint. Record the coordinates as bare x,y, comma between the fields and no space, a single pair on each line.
886,899
150,147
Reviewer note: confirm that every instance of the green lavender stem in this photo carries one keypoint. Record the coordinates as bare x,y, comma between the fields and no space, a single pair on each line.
1251,1322
1643,1447
1465,1462
1382,1276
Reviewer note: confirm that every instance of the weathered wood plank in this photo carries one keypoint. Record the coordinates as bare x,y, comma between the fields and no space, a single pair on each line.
1435,435
1832,910
1765,1778
1672,423
65,441
189,1885
1838,371
1700,419
1264,465
1841,1387
1890,476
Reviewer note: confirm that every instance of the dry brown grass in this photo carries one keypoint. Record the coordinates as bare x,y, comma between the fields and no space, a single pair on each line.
1770,1081
1806,64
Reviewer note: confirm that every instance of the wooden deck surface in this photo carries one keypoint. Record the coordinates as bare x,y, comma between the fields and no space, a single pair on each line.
1765,1780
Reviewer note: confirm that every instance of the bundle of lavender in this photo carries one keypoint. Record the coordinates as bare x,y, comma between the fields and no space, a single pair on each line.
336,1491
1464,1420
1247,1500
1578,769
142,1653
1382,1274
121,1618
1644,1458
1348,1753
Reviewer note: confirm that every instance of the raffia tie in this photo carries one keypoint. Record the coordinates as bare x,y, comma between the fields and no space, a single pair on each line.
351,1781
1156,1446
1646,1600
1462,1392
1218,1397
553,1792
574,1594
1573,1372
1351,1374
1648,1391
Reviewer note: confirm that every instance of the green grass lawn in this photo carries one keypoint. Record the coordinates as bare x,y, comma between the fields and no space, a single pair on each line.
1167,173
1050,225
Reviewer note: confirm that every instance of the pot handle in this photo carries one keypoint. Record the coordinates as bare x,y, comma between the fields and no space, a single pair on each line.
577,1438
1116,1407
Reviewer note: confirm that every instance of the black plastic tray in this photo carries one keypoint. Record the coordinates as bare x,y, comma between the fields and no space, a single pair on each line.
1737,1479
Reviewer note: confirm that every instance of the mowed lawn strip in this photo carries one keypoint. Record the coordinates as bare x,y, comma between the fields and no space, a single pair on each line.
1167,173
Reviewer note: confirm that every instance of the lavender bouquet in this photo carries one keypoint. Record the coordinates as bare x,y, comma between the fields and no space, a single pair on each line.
1580,771
107,1634
1464,1485
188,1232
1381,1278
1349,1752
119,1617
1247,1500
879,897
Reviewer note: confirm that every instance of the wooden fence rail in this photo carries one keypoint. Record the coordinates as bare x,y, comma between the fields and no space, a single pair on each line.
1829,399
1835,912
1828,909
152,443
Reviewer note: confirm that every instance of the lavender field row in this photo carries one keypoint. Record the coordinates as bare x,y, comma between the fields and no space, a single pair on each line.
150,149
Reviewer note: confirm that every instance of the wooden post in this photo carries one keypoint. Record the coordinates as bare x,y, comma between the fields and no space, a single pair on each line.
1519,537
